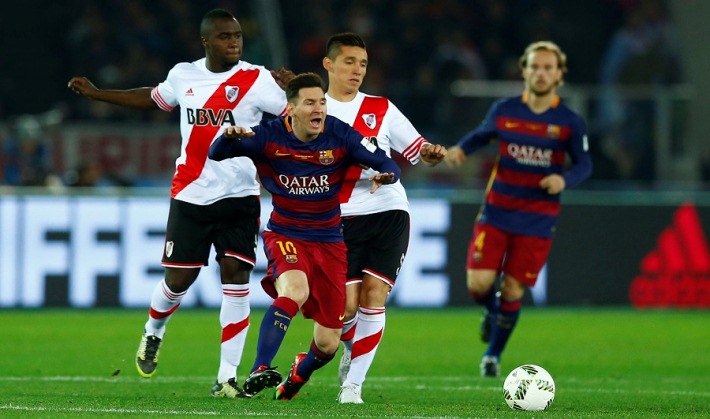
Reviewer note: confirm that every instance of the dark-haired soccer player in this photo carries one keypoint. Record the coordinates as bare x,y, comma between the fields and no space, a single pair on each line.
302,160
513,232
211,203
375,227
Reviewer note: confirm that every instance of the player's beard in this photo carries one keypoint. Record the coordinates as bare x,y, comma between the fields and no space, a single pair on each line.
548,89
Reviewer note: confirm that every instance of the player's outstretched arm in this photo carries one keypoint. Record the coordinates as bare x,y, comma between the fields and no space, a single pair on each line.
432,154
455,156
224,148
138,98
282,77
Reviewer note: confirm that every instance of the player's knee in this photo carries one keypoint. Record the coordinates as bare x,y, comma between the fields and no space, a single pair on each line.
478,283
234,271
179,280
327,343
511,289
374,296
350,310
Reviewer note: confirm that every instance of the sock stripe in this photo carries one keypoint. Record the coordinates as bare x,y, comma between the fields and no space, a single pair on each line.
169,294
372,311
286,304
510,305
367,344
155,314
233,329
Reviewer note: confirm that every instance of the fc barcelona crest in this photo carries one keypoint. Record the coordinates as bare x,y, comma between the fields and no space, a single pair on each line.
232,92
325,157
553,131
370,120
291,258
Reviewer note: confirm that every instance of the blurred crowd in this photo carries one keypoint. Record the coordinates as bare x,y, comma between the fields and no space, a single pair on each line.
417,48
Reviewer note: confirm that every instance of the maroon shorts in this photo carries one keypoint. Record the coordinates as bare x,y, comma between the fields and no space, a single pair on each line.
521,257
325,265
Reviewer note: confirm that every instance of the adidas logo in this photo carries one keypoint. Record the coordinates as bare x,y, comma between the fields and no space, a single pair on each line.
189,92
677,272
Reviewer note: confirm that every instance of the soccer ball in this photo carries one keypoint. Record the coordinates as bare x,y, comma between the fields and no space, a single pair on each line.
529,387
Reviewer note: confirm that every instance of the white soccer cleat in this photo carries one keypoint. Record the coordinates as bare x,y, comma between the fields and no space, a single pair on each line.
350,393
344,366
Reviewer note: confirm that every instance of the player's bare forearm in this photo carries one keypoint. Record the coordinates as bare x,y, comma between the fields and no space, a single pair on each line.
138,98
432,154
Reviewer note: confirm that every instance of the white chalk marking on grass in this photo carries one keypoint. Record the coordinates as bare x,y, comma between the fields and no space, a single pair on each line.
206,413
376,382
93,410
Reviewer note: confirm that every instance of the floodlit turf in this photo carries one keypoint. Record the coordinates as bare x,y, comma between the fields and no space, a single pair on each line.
616,363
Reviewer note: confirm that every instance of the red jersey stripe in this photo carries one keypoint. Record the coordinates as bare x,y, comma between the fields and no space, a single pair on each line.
512,177
201,136
370,105
537,129
519,204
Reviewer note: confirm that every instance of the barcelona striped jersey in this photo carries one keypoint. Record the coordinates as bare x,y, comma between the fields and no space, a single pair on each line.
530,147
305,178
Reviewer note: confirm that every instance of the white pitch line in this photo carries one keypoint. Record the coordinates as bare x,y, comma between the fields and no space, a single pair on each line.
374,382
183,413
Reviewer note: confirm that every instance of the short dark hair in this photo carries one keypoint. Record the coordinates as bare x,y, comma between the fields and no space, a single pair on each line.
302,81
347,39
210,17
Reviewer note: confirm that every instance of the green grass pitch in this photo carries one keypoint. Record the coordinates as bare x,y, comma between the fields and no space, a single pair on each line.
616,363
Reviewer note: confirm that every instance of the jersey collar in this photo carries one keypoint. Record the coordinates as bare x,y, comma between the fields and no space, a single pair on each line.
555,100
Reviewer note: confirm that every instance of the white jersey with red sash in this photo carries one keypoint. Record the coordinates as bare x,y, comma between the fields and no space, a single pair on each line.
209,102
378,118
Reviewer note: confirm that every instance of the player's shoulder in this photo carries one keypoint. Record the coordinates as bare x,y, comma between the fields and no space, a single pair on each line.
246,65
334,124
273,124
338,129
375,98
187,70
197,65
564,108
568,113
507,102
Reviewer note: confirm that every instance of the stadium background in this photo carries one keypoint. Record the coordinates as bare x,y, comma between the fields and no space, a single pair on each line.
639,220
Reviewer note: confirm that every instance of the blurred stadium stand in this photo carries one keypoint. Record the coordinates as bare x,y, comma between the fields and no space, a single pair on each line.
441,61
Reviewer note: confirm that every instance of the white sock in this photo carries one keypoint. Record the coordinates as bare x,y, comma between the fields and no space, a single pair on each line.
370,327
163,304
234,319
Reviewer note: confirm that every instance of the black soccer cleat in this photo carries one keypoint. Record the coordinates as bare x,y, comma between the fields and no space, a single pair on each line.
260,379
147,355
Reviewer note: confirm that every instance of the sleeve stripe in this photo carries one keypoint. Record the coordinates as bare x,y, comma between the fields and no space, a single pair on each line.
412,152
162,104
